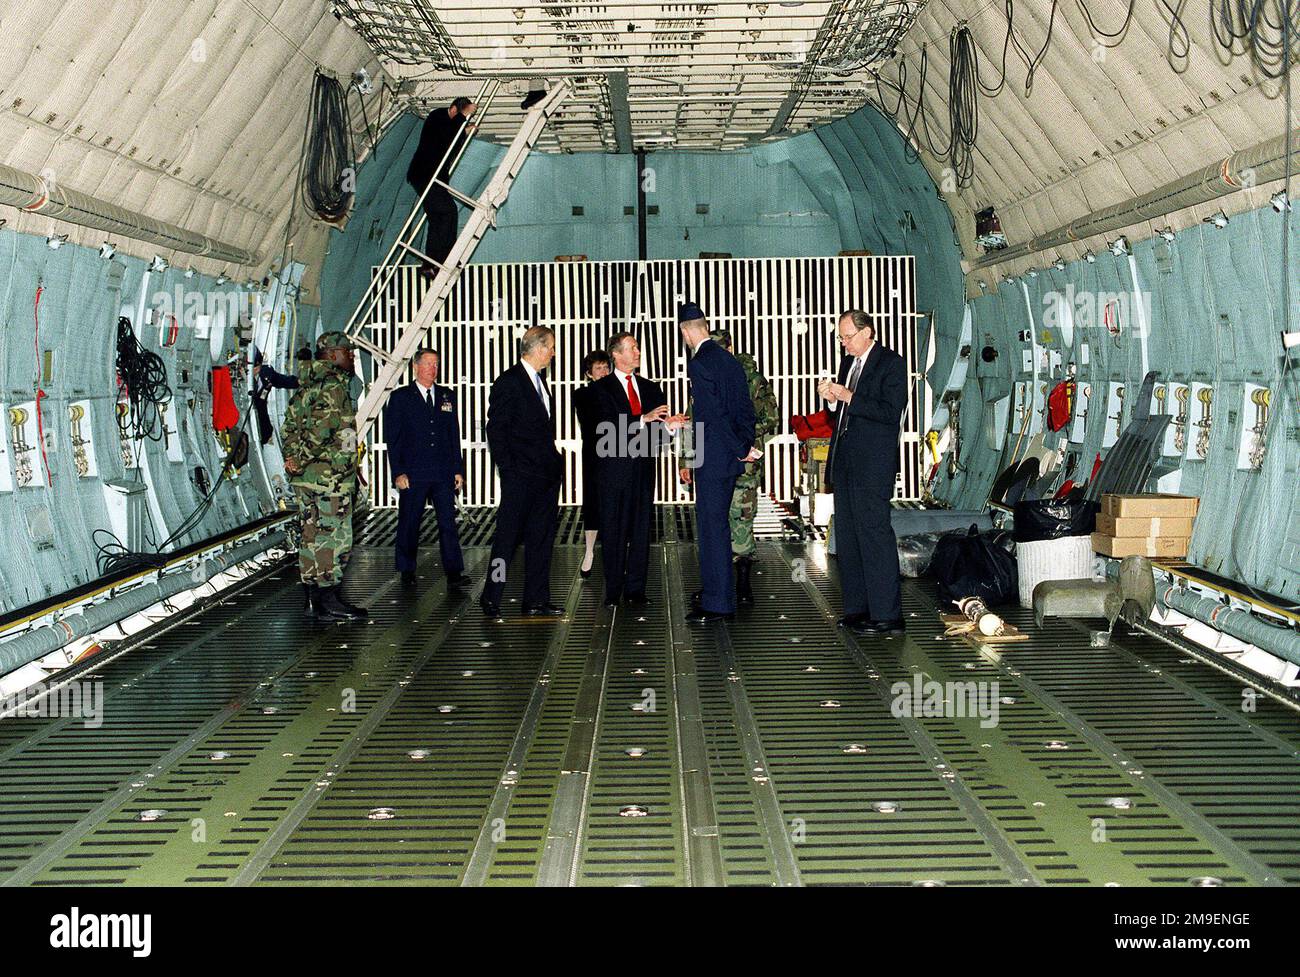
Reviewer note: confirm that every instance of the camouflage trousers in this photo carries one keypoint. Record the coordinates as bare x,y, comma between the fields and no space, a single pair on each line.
744,506
327,532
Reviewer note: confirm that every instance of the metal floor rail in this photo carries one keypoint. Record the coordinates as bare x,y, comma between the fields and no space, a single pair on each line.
432,746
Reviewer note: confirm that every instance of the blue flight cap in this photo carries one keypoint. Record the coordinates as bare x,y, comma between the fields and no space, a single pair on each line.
688,312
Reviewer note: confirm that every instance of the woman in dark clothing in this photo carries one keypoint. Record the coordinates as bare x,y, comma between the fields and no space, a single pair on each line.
594,366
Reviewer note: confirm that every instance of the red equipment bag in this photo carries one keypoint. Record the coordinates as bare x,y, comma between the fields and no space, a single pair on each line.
807,426
1060,405
225,414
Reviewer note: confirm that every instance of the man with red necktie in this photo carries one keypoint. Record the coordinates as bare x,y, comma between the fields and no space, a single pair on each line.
632,412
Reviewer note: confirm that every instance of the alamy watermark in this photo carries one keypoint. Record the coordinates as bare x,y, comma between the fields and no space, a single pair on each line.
70,700
928,698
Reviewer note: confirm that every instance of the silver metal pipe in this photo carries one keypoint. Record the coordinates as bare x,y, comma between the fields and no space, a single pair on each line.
1260,164
45,640
32,195
1283,642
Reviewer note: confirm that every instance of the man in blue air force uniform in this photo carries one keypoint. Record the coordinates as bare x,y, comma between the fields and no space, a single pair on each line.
723,420
425,460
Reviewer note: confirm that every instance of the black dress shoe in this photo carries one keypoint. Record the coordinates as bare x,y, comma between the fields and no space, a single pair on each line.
544,610
877,627
848,620
458,581
408,578
699,615
638,598
490,609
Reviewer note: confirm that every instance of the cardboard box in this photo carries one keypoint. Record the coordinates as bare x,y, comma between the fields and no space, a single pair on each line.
1143,528
1166,547
1147,506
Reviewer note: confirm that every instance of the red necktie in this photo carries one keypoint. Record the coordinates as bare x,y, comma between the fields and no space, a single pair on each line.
632,398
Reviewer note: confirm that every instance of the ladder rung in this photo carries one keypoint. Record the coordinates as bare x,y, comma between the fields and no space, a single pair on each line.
467,201
372,349
420,254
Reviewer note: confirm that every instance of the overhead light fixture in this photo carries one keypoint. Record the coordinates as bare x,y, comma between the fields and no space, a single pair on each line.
1033,272
1059,264
1290,340
189,272
1089,257
982,284
159,263
1280,201
56,241
107,250
1119,246
1167,233
221,279
1219,220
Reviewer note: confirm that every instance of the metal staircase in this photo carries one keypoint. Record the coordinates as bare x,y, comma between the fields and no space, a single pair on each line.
391,363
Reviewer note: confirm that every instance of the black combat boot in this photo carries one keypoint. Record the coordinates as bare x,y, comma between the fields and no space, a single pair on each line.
744,593
333,604
311,608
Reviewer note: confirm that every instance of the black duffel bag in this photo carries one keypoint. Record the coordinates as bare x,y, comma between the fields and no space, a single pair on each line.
1039,519
975,564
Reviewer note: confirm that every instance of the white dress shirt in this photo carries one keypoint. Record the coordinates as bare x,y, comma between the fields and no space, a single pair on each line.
534,376
861,363
622,382
426,393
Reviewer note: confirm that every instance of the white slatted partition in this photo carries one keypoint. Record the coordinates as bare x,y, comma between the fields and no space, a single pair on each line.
781,310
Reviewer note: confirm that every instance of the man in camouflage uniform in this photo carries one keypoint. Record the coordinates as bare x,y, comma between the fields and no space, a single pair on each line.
319,440
744,500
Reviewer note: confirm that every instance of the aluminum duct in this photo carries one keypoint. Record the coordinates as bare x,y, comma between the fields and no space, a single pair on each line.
32,195
1283,642
27,648
1254,167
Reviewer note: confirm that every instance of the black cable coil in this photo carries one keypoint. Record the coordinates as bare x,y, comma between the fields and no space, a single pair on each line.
328,158
144,377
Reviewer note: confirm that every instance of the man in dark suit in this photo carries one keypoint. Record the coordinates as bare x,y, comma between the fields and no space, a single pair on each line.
425,460
521,437
436,150
867,400
629,432
723,419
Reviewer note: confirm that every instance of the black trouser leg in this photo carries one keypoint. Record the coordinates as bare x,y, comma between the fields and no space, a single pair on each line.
444,501
879,547
440,209
410,513
512,513
848,548
539,540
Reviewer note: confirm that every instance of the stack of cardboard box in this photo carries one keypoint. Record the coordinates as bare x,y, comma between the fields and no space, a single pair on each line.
1145,525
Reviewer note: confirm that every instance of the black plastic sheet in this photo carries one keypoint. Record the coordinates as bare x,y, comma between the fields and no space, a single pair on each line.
1040,519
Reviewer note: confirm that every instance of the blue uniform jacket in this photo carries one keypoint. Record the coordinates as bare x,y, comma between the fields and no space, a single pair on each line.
722,412
423,445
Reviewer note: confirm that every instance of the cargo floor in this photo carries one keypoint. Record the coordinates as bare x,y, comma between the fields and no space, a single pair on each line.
430,745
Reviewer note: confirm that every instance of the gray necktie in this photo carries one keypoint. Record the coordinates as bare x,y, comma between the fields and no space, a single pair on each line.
853,386
537,379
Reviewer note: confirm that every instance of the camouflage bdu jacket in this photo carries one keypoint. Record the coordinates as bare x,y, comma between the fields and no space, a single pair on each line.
320,431
766,419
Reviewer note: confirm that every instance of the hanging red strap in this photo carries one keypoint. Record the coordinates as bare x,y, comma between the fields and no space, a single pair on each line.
36,342
225,415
